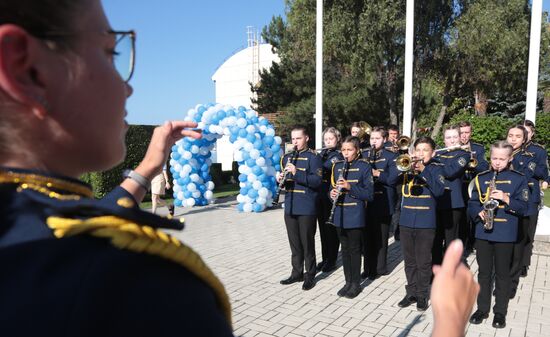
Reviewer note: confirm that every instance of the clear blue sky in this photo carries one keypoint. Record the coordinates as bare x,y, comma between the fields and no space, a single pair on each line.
180,44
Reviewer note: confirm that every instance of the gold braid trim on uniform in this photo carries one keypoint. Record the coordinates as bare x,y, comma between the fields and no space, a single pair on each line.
482,199
44,184
410,183
125,234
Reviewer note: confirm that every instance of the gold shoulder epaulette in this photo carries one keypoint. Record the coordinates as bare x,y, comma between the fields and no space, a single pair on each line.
433,162
518,172
528,154
338,161
125,234
483,172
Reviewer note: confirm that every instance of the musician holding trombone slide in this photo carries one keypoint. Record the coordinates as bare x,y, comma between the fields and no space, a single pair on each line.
352,186
496,229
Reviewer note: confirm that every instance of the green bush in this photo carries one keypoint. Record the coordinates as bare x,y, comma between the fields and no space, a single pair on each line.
137,141
542,135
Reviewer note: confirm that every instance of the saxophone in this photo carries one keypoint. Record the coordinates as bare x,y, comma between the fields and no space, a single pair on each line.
490,205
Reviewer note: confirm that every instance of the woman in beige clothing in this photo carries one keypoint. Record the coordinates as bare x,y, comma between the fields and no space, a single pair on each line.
159,185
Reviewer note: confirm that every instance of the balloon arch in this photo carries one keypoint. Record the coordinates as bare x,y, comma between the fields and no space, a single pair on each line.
256,149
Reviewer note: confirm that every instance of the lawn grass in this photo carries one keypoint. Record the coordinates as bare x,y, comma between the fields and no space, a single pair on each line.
222,191
547,198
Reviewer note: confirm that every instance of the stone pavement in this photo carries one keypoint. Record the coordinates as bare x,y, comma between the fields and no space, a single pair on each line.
250,254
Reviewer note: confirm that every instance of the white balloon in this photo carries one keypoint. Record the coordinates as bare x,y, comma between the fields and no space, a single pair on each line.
263,129
247,207
248,147
278,140
252,178
241,185
250,114
197,194
187,155
190,202
260,161
203,151
247,170
194,177
194,149
261,201
241,122
262,192
172,162
177,167
180,195
250,129
210,185
226,131
191,187
238,156
270,132
254,154
208,195
240,198
242,169
257,185
181,150
186,169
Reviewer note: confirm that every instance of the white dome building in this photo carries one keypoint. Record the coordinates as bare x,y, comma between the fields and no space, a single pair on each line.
232,81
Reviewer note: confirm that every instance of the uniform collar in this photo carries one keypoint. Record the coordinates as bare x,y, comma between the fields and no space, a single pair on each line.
43,182
304,150
516,151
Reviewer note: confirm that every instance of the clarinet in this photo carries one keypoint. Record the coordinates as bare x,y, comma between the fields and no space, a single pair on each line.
291,160
342,175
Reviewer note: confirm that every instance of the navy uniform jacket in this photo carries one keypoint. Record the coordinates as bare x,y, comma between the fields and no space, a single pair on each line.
420,193
541,158
454,167
524,162
350,211
67,272
505,225
384,185
328,158
301,188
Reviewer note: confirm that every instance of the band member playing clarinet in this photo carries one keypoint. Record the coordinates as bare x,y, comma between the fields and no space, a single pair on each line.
379,213
352,187
498,201
423,182
329,238
303,180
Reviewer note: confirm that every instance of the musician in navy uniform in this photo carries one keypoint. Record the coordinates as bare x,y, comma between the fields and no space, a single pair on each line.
352,190
422,185
304,174
494,246
73,265
541,174
329,238
380,211
524,162
451,206
393,135
477,152
361,130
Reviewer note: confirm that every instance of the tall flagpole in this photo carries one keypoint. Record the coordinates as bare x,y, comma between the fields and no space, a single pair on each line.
534,52
409,43
319,77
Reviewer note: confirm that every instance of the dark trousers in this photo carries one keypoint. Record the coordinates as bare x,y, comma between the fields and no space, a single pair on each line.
351,253
329,237
397,211
376,238
498,255
518,251
448,224
301,236
416,245
531,229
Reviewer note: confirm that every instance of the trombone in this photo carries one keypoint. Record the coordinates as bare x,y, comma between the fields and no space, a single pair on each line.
405,162
401,144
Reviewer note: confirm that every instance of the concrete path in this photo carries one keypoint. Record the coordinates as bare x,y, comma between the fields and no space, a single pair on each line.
250,253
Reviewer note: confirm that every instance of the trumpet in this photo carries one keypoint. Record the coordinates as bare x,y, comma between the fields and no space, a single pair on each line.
405,162
364,130
342,175
453,148
490,205
401,144
292,159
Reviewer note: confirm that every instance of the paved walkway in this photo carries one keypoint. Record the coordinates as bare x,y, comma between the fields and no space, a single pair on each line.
250,253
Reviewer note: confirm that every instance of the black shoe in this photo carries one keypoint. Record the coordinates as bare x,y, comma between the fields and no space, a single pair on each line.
478,317
406,301
327,268
499,321
396,236
320,265
342,292
354,290
524,271
513,293
373,277
292,279
422,304
171,209
309,283
364,275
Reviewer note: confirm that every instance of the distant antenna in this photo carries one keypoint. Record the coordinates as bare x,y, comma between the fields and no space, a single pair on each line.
253,42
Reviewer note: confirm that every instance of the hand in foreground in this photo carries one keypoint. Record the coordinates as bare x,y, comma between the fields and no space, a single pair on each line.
343,184
454,292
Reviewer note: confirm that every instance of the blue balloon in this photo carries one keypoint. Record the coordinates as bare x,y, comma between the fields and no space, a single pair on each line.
187,194
201,109
262,177
275,148
243,133
269,140
233,138
246,155
252,193
251,138
174,148
277,167
257,170
186,181
202,188
266,184
204,167
176,156
241,108
234,130
187,145
181,181
258,144
244,190
256,207
242,177
240,207
175,175
221,114
177,202
251,162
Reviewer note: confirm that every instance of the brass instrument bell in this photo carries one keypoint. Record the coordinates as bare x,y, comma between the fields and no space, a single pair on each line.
403,143
364,130
404,162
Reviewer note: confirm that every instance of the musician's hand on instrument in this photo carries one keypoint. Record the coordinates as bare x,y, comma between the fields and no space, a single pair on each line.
375,173
290,168
280,176
482,215
500,195
343,184
544,185
419,166
333,194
